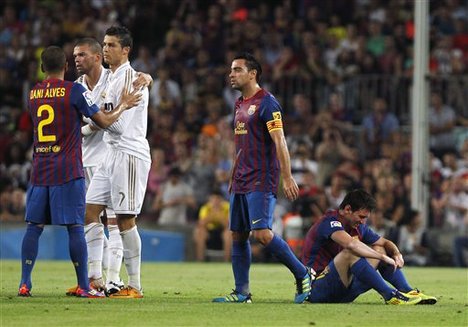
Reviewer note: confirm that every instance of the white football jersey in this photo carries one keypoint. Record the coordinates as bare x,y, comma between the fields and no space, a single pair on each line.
94,149
134,122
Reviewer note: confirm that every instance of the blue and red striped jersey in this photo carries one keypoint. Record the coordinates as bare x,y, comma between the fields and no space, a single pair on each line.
319,248
256,167
56,108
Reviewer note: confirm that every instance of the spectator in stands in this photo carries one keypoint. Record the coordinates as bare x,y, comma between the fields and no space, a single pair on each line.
213,226
174,200
412,241
302,162
169,87
382,225
335,191
442,121
157,175
145,62
378,127
330,153
460,249
12,205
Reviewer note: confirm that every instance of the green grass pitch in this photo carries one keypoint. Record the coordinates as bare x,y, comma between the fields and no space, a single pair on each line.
180,294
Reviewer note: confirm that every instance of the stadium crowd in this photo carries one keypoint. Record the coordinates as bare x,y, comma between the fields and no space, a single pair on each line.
187,47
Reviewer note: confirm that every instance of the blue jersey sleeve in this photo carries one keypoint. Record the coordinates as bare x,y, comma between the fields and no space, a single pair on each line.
368,235
82,100
329,226
270,109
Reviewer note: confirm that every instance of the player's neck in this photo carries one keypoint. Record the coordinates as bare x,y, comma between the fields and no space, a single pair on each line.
114,67
92,78
55,75
250,90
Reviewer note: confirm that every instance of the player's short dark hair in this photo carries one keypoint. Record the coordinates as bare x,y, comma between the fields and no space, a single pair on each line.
53,59
251,62
92,43
123,34
359,199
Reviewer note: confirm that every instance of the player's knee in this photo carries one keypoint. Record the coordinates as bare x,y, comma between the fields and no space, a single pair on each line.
348,256
263,236
379,249
92,214
240,236
126,222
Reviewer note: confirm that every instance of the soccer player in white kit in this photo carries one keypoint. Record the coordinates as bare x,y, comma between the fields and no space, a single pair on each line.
94,77
120,181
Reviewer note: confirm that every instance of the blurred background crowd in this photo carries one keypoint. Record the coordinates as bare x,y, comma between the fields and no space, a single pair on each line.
341,70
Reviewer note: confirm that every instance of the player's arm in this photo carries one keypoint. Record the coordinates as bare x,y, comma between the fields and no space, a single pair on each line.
128,100
88,128
291,190
392,250
357,247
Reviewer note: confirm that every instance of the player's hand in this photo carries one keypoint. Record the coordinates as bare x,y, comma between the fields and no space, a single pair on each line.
290,188
143,80
400,262
390,261
130,100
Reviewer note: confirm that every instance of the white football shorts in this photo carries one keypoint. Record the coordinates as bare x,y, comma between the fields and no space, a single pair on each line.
120,183
89,173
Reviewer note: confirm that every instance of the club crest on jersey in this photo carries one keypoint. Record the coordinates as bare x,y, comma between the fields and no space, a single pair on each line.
251,110
88,97
335,224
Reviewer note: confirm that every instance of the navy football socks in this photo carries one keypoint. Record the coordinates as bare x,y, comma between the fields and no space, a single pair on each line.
241,260
78,254
363,271
29,251
281,250
396,278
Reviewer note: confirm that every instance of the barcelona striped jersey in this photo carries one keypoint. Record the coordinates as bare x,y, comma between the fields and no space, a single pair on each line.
319,248
256,167
56,107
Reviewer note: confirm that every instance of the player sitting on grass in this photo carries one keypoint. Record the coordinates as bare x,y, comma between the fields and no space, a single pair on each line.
345,253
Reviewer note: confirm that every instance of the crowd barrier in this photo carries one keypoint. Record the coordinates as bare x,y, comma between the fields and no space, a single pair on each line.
53,245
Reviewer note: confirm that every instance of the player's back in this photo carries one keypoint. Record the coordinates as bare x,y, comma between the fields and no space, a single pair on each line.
57,137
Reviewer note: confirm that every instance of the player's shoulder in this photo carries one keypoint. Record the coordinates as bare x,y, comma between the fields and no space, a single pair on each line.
77,87
330,219
269,100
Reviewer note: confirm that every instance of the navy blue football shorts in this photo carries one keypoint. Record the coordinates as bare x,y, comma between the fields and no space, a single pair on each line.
251,211
56,205
328,287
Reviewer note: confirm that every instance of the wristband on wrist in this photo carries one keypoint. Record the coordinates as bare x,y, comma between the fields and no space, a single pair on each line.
86,130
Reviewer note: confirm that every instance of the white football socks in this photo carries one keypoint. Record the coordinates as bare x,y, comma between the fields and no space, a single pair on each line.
115,254
132,256
105,256
94,234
